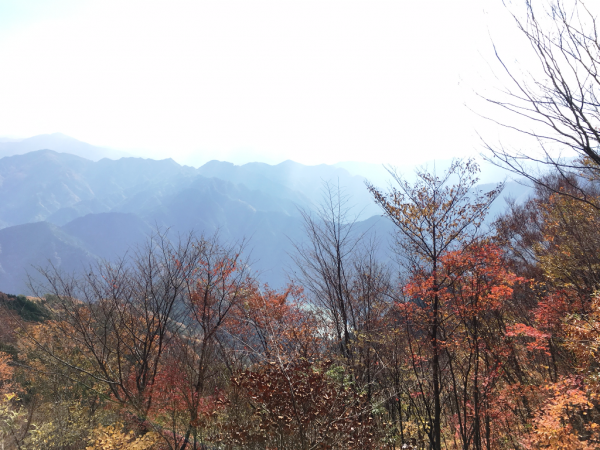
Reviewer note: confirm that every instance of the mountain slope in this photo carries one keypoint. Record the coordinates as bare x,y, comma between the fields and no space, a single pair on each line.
35,185
74,211
304,185
59,187
59,143
108,235
23,248
47,185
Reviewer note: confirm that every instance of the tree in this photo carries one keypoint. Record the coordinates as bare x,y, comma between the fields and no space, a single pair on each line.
339,270
131,328
303,405
555,333
475,290
275,325
553,238
569,412
433,217
557,105
188,381
112,437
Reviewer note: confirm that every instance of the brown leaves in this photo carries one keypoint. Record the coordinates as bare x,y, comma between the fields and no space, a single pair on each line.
582,332
6,373
302,402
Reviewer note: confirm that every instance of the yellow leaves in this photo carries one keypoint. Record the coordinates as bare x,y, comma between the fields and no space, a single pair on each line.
571,242
434,213
13,419
114,438
582,334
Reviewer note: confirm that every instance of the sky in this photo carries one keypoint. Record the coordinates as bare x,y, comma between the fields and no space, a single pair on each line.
313,81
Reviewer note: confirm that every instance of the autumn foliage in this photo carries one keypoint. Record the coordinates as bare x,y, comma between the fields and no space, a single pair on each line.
479,339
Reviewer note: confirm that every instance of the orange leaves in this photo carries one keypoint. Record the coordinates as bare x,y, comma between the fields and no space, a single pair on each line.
552,309
571,243
218,283
270,305
175,389
539,340
276,322
434,213
113,437
213,279
466,298
568,418
582,333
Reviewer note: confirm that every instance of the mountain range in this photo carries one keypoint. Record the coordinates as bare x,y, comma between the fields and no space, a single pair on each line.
60,143
71,211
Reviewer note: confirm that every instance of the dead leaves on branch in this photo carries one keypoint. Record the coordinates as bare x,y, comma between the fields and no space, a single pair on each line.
304,405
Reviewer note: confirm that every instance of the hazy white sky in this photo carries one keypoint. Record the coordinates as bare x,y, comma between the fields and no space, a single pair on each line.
313,81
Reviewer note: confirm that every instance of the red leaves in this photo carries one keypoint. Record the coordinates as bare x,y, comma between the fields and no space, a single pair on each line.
538,341
453,315
469,282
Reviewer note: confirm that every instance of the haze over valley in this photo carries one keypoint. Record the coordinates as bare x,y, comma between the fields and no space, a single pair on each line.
299,225
71,204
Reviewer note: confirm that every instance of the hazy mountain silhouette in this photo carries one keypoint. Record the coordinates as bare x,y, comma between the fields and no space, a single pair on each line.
59,187
46,185
297,182
23,248
59,143
71,211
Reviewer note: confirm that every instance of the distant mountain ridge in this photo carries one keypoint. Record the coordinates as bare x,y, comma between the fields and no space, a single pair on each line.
69,211
60,143
59,187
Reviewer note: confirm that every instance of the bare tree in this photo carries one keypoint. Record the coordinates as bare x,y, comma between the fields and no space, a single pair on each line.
339,269
149,320
559,106
123,312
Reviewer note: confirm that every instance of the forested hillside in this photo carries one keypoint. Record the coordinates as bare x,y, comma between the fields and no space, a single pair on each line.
481,337
451,317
